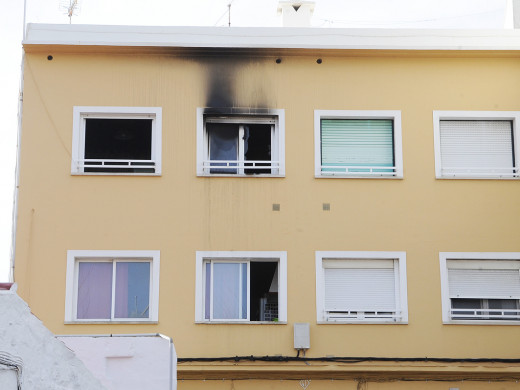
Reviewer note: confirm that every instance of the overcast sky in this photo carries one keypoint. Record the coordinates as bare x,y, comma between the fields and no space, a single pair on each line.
482,14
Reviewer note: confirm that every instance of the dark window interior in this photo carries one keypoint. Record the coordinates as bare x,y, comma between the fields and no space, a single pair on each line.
119,139
257,146
263,304
484,305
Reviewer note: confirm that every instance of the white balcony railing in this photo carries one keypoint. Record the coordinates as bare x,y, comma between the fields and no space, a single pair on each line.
485,314
368,170
507,172
350,315
240,167
101,165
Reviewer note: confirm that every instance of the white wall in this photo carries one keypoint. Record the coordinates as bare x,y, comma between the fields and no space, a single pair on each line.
46,363
128,362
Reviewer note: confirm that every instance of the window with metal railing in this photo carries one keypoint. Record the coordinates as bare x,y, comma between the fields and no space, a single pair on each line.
480,287
117,140
231,144
476,145
361,287
358,144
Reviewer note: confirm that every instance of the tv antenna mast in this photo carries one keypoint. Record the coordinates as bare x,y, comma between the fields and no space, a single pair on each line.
71,8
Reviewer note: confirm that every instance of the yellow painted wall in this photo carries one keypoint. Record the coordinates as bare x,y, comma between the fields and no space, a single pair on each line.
179,213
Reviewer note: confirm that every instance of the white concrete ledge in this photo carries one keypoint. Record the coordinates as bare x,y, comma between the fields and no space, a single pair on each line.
272,37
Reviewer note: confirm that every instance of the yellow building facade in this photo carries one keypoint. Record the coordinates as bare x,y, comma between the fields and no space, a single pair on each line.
364,185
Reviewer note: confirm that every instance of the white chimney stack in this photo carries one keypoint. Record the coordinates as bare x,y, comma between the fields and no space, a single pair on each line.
296,13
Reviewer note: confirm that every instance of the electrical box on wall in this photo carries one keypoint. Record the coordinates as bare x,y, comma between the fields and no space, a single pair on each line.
302,338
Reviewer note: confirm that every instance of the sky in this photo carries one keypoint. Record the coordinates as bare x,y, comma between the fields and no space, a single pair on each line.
478,14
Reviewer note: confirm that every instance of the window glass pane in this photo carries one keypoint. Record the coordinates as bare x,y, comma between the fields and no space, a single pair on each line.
132,299
356,143
228,291
223,145
94,290
207,295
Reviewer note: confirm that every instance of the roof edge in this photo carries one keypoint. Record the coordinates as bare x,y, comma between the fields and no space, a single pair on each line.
271,37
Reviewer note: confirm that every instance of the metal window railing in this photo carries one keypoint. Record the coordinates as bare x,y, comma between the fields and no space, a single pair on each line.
368,170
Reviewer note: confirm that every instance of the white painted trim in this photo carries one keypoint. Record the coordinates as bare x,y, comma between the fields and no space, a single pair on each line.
400,257
513,116
272,37
154,256
470,256
200,256
277,151
394,115
78,129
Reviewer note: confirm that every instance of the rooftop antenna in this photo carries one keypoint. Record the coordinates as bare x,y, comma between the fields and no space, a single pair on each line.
71,8
229,14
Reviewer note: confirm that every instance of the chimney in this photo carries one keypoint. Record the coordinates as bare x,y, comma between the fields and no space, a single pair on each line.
296,13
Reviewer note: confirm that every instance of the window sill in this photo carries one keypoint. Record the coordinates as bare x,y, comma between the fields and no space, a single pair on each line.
400,177
484,322
148,322
362,322
244,175
241,322
112,174
475,178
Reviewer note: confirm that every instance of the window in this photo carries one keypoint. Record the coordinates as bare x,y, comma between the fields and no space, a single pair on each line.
116,140
249,144
358,144
476,144
480,287
354,287
112,286
241,287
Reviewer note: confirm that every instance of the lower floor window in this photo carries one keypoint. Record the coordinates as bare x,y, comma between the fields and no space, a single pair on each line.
113,289
236,287
480,287
361,286
121,287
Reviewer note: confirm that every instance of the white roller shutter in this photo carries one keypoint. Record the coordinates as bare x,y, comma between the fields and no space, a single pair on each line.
476,147
358,289
484,283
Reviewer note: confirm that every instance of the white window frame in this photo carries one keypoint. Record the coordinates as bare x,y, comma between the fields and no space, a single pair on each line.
394,115
277,141
438,116
81,113
488,260
401,303
240,256
74,257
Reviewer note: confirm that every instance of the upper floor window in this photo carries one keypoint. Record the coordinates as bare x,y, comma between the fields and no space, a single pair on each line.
358,144
356,287
241,287
240,144
116,140
108,286
480,287
476,144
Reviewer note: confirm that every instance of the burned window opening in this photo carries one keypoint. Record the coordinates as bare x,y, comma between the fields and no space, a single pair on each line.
244,145
235,144
121,140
